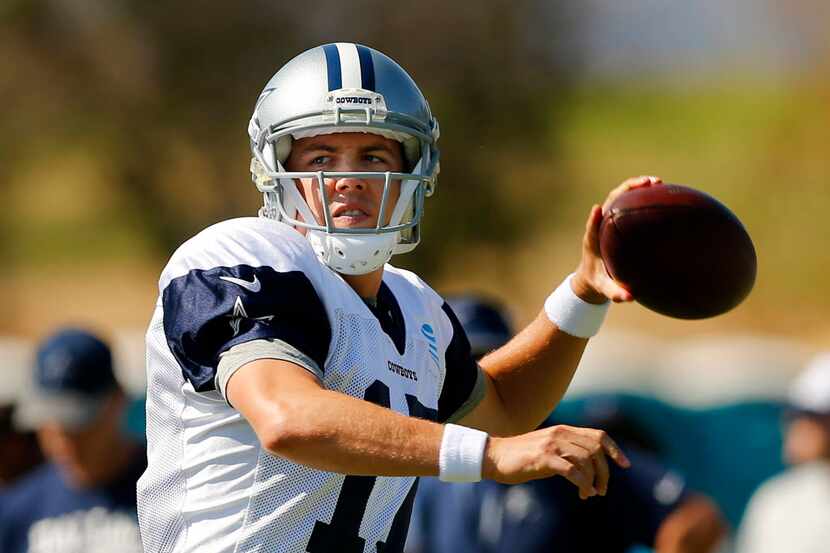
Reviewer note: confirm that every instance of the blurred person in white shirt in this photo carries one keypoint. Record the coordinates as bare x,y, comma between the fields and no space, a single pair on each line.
789,512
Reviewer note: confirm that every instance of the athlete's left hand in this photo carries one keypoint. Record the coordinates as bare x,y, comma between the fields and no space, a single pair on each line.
591,281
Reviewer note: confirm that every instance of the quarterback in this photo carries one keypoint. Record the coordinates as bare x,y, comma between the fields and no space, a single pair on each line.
298,383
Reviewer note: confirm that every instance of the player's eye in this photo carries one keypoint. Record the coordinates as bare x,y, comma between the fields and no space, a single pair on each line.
320,160
373,159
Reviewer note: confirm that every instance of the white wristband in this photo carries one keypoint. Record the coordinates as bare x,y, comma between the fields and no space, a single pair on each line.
462,453
572,314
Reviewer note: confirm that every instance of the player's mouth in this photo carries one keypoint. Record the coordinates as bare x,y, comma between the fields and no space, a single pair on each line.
351,216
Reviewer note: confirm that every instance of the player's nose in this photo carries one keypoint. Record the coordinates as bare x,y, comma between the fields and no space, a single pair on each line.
346,184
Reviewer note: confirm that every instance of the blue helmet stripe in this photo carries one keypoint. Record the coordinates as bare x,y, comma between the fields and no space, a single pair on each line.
367,68
335,76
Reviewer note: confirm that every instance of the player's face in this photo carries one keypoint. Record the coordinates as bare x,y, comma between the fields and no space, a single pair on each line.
807,439
353,202
84,454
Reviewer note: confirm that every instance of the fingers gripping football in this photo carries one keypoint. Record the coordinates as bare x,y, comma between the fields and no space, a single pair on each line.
591,281
577,454
629,184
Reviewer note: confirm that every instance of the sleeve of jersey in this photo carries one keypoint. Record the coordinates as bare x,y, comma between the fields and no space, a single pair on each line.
207,312
464,384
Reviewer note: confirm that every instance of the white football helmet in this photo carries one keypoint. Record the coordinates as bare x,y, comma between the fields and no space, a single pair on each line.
345,87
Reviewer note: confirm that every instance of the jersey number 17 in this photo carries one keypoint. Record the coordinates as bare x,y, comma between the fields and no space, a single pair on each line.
341,534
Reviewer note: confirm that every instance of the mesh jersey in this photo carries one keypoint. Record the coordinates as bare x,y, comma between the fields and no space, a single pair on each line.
209,485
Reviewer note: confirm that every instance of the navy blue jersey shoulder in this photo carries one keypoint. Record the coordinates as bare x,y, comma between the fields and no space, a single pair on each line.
206,312
462,369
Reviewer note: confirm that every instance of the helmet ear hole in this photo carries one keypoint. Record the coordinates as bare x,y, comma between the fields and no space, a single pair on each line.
283,147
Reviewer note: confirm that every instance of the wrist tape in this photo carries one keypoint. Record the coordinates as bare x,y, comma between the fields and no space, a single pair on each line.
572,314
461,454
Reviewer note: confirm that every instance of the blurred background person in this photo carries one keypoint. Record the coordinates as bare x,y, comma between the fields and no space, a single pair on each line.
790,512
83,498
21,452
647,505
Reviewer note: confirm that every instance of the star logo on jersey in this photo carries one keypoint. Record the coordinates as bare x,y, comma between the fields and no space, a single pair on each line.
239,313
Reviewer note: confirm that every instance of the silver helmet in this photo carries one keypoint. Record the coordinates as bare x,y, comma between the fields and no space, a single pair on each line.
345,87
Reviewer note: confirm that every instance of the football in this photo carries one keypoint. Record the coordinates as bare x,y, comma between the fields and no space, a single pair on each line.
679,251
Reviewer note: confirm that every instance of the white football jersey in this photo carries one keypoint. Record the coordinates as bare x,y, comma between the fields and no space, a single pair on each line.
209,485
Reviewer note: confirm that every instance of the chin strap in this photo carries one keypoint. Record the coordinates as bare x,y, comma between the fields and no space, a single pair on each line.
351,254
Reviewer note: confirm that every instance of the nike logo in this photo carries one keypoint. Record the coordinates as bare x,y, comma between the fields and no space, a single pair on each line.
254,285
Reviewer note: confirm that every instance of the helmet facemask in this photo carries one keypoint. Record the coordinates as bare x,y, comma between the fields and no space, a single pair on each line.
348,250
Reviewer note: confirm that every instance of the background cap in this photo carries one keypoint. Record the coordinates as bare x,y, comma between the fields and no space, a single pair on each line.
484,320
810,391
73,376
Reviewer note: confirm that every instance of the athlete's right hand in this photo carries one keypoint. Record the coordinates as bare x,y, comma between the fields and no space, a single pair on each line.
578,454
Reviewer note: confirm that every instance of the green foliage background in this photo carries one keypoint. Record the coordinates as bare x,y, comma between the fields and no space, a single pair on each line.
124,134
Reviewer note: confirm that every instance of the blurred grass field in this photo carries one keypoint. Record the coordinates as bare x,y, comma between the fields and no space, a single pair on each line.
80,249
759,147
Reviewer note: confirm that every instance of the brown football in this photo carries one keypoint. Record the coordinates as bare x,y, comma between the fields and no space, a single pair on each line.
679,251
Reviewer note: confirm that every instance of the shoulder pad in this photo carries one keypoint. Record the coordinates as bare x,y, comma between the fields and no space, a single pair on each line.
251,241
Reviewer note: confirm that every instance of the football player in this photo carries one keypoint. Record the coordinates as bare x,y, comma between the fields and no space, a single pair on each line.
298,384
